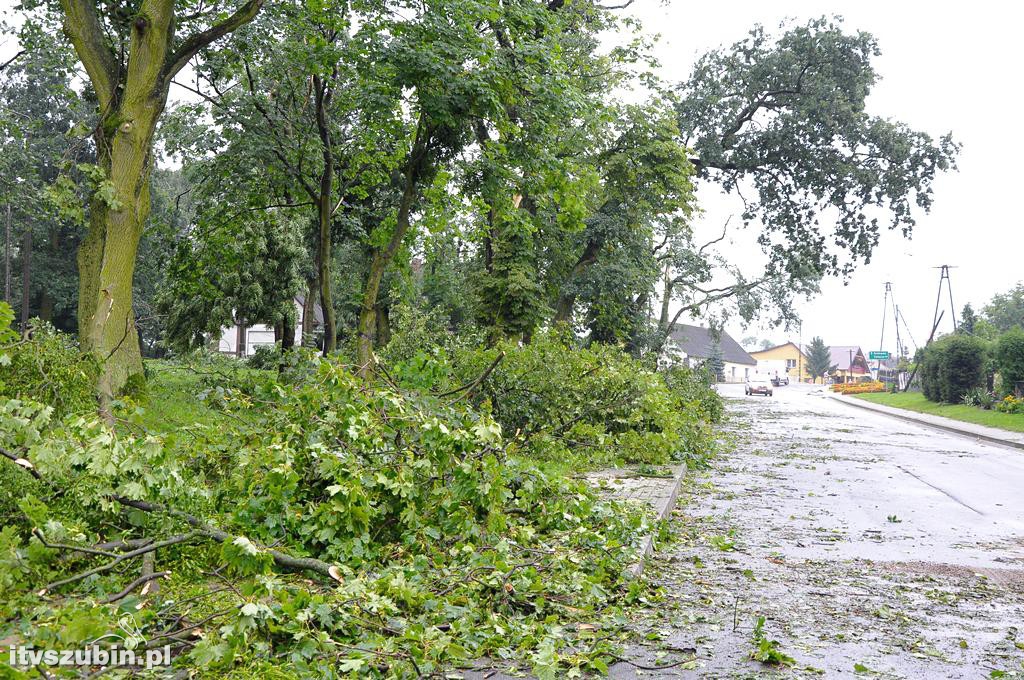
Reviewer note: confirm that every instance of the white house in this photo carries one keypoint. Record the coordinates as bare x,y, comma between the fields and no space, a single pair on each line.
695,344
250,338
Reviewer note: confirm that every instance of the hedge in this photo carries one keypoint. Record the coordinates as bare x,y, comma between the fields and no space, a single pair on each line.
1010,359
951,367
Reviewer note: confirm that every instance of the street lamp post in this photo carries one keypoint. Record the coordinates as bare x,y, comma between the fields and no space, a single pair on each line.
800,352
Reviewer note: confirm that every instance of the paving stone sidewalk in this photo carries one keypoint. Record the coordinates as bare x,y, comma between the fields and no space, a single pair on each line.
658,491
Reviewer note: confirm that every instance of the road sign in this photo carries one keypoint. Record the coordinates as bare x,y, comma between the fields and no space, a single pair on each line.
878,355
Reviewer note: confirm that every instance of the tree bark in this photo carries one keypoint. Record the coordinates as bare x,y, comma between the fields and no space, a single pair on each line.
26,279
566,303
414,168
288,331
383,315
324,211
7,257
240,338
131,97
309,311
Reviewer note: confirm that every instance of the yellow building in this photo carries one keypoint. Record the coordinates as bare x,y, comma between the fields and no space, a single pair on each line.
769,361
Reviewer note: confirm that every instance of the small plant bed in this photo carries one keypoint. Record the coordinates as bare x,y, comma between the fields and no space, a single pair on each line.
915,401
859,388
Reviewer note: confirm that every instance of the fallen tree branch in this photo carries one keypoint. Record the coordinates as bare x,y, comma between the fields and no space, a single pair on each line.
202,528
145,578
280,559
65,546
23,463
470,386
174,540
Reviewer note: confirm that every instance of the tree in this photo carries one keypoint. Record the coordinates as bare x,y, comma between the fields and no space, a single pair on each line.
968,320
1009,359
131,56
1006,310
819,359
302,105
782,122
39,111
766,344
245,271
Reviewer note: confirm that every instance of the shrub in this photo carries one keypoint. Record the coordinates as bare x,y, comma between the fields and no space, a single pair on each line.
980,398
1010,404
1009,355
443,545
951,367
591,406
265,358
47,367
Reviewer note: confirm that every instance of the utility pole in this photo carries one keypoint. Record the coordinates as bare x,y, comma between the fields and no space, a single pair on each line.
7,257
881,340
800,351
944,276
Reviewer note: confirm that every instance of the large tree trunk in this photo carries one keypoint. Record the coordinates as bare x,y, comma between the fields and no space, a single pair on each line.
309,310
106,258
324,210
414,169
566,303
288,331
383,325
26,279
131,95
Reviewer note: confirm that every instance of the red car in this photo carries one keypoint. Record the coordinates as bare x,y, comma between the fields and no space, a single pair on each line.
758,386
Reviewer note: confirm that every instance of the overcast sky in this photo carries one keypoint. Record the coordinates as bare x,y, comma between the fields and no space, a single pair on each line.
941,70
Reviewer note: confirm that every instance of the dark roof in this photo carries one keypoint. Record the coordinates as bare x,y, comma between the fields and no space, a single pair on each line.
318,311
697,342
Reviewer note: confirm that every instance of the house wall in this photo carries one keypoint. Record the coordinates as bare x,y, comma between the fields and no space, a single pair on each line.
737,373
256,335
796,362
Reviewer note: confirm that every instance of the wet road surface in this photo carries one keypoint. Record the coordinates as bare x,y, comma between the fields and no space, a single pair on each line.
873,547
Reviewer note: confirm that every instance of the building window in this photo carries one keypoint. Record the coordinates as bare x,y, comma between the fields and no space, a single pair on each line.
790,363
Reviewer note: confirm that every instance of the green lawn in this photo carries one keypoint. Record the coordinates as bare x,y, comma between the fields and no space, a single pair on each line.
915,401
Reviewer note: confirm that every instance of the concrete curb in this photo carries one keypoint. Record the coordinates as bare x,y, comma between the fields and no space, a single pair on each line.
947,424
662,512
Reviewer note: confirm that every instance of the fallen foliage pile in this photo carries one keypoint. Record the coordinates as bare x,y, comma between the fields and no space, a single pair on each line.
319,525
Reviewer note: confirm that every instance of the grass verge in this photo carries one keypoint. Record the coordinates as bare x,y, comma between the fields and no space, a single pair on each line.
915,401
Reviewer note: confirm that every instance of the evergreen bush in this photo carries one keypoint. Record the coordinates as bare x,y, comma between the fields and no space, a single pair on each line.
1009,356
952,366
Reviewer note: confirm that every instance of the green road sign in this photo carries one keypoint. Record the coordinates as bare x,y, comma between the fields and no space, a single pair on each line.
878,355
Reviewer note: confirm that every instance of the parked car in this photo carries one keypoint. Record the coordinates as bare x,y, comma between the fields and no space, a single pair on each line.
758,386
779,380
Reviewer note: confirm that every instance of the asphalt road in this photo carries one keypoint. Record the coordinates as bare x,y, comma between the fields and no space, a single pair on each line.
958,500
872,546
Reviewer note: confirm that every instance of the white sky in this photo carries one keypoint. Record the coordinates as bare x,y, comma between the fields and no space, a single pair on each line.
940,70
